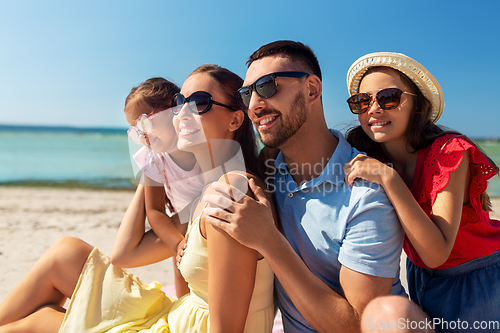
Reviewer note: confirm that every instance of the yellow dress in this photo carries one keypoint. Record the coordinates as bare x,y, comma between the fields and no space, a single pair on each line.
109,299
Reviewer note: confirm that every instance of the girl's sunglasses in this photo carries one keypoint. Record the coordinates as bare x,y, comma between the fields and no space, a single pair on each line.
199,102
265,86
143,126
387,99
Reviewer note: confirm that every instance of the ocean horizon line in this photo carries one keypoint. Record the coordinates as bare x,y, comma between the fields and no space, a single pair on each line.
63,128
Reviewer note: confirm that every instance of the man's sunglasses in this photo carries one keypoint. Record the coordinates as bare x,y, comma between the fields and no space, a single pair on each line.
199,102
265,86
387,99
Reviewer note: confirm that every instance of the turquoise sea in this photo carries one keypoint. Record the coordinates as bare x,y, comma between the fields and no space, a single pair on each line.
492,149
90,157
64,156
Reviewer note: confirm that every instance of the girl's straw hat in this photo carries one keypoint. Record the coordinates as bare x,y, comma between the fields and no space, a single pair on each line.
424,80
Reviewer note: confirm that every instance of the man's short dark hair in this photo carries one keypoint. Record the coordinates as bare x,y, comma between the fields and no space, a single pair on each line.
295,51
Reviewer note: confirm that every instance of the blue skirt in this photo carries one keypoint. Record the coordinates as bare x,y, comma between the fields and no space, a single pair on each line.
465,298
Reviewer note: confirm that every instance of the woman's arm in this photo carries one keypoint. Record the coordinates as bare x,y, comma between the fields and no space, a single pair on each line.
231,275
433,238
133,246
231,280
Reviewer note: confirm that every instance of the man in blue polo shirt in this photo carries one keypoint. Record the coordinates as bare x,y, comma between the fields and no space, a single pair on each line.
340,245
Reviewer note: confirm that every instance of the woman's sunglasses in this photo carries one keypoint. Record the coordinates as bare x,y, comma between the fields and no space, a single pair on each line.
199,102
387,99
265,86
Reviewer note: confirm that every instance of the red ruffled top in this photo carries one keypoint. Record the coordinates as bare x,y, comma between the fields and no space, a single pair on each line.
478,234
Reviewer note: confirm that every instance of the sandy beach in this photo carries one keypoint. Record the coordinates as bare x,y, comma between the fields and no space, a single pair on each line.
31,219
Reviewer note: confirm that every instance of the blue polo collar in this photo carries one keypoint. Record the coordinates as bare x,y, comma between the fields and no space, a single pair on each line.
333,172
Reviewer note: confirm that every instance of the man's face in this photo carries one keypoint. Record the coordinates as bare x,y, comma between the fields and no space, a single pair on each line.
279,117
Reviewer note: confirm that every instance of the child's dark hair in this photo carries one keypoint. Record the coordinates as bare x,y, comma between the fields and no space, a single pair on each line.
420,134
156,92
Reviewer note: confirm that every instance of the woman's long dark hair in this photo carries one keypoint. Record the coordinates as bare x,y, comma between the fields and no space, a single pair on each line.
420,134
244,135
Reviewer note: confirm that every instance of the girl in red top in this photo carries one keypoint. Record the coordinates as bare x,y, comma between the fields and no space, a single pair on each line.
436,179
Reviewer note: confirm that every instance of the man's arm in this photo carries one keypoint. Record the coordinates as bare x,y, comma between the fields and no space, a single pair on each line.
323,308
250,222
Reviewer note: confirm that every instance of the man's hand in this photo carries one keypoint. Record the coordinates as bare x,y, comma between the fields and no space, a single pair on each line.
249,221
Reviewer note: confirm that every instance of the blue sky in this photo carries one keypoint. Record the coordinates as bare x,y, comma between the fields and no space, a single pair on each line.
73,62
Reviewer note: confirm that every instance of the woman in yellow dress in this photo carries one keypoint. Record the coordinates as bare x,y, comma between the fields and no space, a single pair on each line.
234,295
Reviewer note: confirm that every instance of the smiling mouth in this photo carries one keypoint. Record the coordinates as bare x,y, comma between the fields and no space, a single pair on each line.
263,123
149,141
380,123
188,131
267,120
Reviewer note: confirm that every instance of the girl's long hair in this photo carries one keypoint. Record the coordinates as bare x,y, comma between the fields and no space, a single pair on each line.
419,135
